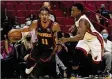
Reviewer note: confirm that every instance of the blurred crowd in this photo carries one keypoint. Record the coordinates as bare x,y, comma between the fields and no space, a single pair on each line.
13,59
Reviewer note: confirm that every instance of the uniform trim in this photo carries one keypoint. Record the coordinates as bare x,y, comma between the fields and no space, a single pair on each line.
85,52
100,40
50,55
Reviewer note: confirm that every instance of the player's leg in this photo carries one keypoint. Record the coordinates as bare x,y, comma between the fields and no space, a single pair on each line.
32,59
80,58
96,53
81,52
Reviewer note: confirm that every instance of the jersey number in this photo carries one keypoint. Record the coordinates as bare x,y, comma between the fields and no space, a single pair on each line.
45,41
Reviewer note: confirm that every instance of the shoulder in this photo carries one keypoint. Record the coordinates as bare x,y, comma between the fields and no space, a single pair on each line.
83,18
35,23
83,21
55,27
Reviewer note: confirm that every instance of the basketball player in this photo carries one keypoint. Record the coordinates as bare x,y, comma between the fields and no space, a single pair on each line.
107,51
89,40
43,52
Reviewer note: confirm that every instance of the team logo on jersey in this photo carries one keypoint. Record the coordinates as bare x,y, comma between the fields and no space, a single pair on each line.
39,29
44,34
48,30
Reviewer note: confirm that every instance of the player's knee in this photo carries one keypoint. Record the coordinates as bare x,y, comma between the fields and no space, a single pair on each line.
80,52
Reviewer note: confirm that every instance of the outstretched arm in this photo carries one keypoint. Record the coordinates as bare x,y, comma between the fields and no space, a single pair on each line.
30,28
56,29
83,26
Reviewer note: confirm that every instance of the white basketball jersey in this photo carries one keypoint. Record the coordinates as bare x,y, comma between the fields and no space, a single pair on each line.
88,36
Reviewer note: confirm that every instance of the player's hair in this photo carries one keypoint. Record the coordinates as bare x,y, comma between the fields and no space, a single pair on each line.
44,9
79,6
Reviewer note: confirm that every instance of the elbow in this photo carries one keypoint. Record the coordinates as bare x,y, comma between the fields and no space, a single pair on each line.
81,37
78,37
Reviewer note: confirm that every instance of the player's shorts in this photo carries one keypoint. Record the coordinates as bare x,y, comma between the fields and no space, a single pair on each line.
45,60
92,47
39,53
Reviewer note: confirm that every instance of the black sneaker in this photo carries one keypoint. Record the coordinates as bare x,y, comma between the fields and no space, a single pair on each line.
106,72
64,74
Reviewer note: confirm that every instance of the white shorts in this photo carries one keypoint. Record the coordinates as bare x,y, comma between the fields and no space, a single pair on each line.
92,47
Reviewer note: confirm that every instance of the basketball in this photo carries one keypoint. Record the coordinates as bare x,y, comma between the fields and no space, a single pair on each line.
14,35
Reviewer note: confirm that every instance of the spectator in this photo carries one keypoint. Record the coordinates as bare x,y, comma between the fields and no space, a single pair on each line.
8,59
23,48
27,45
105,13
29,19
107,51
32,17
48,5
8,48
27,24
6,25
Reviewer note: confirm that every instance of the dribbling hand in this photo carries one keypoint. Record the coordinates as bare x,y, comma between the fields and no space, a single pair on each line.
62,40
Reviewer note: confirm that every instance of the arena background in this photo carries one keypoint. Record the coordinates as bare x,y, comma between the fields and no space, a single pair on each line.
18,11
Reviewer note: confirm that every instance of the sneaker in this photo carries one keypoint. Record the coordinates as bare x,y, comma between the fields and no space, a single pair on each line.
28,71
64,74
106,72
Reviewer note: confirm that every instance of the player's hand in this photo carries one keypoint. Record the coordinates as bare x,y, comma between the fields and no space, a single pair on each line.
63,40
25,58
59,48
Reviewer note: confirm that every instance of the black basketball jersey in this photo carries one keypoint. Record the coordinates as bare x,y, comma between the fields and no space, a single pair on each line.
45,35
